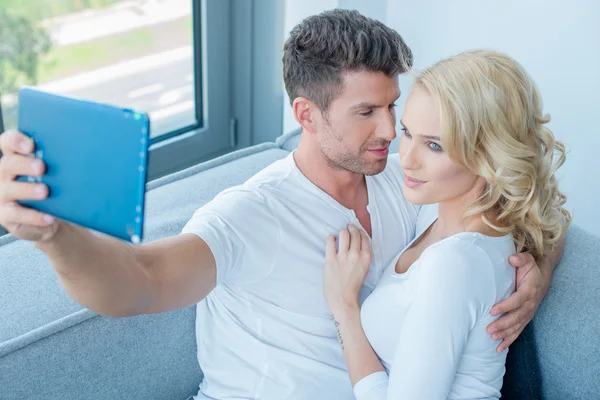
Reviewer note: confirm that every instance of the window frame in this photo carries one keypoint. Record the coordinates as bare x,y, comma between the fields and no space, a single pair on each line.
211,135
238,84
238,79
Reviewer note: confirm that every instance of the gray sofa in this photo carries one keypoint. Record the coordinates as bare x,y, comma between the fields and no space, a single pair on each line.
51,348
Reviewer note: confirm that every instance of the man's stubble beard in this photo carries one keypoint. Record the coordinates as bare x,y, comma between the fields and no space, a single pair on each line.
347,161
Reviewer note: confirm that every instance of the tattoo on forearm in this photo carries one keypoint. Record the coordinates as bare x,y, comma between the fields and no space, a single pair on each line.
337,328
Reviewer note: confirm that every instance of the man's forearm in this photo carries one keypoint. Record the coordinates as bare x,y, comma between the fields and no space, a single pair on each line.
549,262
99,272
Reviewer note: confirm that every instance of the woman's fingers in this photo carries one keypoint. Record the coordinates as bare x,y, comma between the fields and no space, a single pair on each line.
355,239
344,241
365,243
330,251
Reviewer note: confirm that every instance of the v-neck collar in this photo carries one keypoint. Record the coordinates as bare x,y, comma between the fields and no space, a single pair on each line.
308,184
407,247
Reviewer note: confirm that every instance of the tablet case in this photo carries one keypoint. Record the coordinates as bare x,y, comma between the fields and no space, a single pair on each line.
96,161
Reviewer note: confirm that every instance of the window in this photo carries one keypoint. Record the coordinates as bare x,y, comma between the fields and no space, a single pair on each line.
208,72
149,55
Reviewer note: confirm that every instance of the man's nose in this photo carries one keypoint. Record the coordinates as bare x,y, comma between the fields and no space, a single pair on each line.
387,129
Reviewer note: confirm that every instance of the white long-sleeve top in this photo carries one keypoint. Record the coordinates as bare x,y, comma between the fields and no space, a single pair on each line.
428,325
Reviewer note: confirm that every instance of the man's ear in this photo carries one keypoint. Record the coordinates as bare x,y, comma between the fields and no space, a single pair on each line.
306,114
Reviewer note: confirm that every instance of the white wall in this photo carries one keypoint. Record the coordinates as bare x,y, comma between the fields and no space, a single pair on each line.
558,42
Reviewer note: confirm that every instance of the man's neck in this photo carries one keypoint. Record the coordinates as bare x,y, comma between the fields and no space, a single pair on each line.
347,188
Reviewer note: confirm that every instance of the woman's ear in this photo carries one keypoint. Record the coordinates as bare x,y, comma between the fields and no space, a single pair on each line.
305,113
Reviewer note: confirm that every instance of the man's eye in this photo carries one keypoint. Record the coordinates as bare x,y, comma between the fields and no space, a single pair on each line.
366,113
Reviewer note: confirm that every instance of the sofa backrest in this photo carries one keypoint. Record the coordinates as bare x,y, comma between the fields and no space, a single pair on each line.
566,326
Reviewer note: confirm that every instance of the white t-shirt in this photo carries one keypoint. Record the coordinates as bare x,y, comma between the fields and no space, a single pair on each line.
265,331
428,325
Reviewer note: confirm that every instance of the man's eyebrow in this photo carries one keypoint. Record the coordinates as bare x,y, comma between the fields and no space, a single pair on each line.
365,104
423,136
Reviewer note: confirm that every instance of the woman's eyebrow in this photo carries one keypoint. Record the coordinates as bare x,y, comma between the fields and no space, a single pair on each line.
424,136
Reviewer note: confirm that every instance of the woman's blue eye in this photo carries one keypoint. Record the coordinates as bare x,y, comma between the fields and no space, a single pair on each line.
435,146
406,132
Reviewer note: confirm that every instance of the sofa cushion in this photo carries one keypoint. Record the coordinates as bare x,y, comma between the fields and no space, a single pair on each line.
50,346
558,354
566,325
522,378
290,140
86,356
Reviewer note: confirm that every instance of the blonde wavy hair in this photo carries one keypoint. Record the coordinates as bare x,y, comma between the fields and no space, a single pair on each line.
491,117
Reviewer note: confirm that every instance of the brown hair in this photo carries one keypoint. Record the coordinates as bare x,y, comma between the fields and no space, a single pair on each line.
325,46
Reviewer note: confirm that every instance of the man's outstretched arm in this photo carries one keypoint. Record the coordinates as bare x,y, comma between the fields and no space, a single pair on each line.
116,279
101,273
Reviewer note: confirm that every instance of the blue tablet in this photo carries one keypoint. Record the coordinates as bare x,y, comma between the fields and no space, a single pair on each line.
96,161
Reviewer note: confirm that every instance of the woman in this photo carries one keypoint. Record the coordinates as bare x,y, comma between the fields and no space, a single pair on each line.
475,142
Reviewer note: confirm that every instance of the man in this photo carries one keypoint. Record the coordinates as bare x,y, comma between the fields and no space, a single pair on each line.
253,257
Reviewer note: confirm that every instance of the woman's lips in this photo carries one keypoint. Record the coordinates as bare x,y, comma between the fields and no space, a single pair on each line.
412,182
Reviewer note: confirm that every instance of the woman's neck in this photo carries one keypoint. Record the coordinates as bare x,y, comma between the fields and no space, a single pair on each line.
450,221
